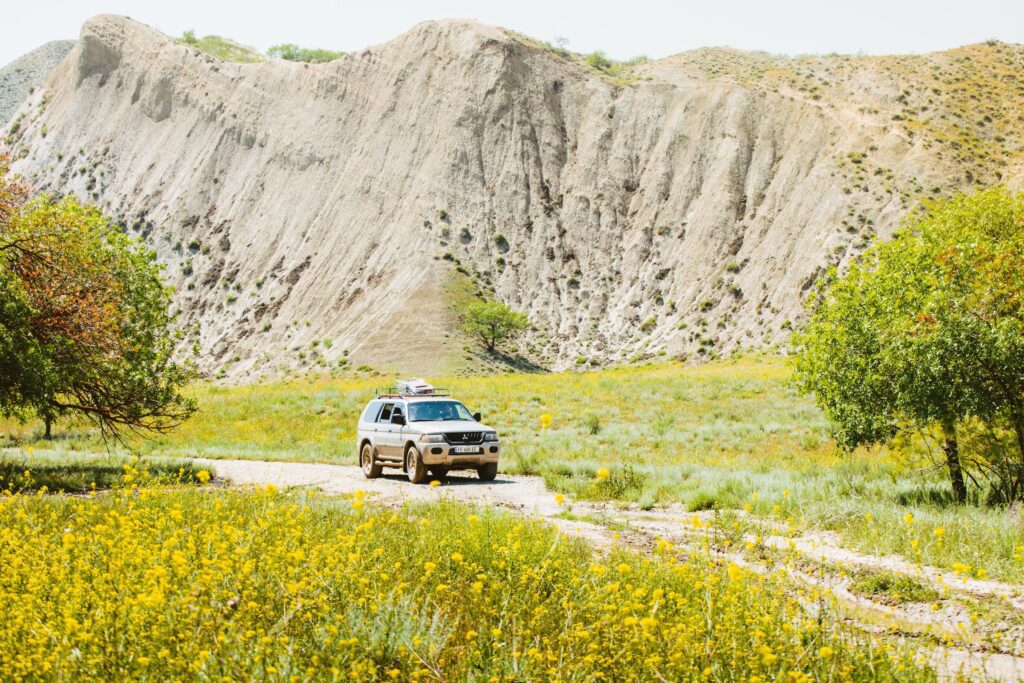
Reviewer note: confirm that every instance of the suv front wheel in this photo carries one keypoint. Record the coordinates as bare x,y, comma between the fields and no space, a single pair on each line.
488,471
414,466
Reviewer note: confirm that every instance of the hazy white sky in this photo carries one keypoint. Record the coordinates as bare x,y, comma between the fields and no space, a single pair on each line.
622,28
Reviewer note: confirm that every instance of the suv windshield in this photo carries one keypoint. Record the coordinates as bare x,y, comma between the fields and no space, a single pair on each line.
438,411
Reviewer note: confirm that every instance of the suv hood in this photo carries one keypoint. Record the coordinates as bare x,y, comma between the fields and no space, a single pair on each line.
449,426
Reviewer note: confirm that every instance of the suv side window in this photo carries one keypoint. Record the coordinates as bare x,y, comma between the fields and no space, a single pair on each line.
398,410
370,414
385,414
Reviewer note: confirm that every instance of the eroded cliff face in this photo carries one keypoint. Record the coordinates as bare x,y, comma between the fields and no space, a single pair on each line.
679,213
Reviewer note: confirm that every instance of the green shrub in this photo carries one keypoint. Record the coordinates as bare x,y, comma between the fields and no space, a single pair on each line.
598,60
893,588
294,53
621,483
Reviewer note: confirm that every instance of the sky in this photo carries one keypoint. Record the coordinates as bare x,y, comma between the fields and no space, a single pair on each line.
621,28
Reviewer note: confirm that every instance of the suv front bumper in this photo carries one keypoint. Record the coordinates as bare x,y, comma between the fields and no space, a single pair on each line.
441,454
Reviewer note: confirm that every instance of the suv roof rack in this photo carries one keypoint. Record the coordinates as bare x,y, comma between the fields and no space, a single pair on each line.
392,392
404,388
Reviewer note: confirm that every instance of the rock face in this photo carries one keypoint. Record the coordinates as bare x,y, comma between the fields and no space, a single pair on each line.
21,75
684,210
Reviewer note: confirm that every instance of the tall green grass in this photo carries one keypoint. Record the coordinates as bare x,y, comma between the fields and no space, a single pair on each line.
69,472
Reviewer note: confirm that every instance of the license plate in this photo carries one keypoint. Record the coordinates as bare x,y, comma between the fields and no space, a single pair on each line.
466,450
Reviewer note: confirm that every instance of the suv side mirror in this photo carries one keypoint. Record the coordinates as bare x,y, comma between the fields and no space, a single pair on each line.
398,419
476,416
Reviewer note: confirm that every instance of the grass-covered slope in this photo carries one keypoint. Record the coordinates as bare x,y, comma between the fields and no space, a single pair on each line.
964,106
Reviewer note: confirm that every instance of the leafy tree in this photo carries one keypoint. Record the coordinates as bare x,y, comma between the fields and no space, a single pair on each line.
560,45
85,322
599,60
978,244
493,322
294,53
927,331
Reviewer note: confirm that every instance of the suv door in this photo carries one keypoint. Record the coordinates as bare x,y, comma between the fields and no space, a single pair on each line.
383,429
396,438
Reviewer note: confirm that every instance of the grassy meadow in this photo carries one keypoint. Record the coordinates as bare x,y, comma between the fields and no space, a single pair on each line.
730,435
76,473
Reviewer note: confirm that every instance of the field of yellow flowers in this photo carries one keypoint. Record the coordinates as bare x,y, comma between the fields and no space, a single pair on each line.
157,580
728,435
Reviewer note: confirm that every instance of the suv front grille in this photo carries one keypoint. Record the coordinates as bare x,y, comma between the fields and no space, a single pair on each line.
464,438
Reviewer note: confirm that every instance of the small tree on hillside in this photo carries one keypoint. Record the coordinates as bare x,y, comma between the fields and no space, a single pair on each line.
927,331
493,322
85,322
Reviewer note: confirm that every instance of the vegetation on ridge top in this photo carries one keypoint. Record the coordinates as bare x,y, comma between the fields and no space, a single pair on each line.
222,48
618,71
294,53
229,50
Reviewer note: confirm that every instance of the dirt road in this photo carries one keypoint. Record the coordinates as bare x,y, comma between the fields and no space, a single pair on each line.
526,494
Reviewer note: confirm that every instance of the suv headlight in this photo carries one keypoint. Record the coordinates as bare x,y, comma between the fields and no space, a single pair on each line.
490,436
432,438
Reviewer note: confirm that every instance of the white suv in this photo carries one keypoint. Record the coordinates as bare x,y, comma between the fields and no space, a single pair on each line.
421,428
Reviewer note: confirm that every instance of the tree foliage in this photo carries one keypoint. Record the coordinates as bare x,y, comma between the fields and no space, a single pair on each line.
493,322
294,53
85,321
927,331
